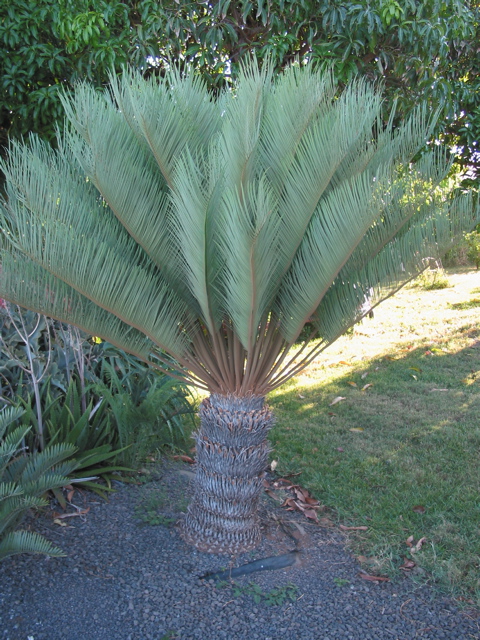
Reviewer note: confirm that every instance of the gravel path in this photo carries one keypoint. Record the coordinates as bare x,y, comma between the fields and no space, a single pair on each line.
125,578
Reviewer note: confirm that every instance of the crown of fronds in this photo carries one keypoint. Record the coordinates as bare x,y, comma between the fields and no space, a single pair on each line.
202,233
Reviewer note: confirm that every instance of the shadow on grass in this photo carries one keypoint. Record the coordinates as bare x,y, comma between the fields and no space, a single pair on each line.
399,455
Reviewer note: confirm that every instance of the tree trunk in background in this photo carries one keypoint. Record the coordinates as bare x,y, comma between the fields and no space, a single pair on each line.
232,455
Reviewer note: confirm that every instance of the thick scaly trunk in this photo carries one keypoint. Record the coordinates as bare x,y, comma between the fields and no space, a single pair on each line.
232,454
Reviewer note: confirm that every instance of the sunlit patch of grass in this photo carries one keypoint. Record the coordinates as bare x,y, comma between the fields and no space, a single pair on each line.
468,304
416,434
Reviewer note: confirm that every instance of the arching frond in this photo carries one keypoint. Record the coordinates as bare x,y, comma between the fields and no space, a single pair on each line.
27,542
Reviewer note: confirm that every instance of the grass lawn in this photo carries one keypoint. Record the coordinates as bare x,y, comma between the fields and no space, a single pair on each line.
401,455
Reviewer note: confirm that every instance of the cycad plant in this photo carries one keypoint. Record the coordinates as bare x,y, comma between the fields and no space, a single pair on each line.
201,233
24,479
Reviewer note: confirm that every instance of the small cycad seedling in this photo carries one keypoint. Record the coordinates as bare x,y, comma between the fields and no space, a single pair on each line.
274,597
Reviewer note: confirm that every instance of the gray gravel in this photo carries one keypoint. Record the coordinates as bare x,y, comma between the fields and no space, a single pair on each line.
124,579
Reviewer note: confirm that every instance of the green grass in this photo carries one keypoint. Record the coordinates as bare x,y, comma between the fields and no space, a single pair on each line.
411,467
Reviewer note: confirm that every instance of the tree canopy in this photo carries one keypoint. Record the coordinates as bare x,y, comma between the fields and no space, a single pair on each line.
421,50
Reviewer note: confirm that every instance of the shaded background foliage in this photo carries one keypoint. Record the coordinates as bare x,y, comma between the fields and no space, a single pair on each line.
420,50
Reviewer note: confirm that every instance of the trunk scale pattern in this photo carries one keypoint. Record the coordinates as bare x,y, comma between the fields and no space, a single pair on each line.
232,455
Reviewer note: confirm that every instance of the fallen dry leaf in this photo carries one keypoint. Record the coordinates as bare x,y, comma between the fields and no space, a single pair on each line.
70,495
352,384
337,400
344,528
419,508
325,522
80,512
365,576
367,386
418,546
409,541
273,464
301,397
408,565
340,449
364,375
310,513
290,504
356,429
184,458
60,522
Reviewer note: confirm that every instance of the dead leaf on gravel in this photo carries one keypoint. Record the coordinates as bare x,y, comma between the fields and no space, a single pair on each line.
365,576
60,522
325,522
302,501
310,513
79,512
361,528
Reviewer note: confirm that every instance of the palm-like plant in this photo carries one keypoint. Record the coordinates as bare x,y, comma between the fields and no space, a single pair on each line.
202,233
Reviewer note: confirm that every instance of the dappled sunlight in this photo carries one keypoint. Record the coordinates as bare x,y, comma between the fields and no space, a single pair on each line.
411,318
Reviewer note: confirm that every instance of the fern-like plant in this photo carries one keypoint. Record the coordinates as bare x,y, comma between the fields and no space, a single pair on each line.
24,479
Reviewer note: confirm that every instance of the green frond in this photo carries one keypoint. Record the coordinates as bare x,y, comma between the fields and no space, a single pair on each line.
171,113
10,446
8,416
248,230
91,252
338,226
239,141
27,542
28,284
400,260
9,490
36,485
42,465
196,197
14,508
